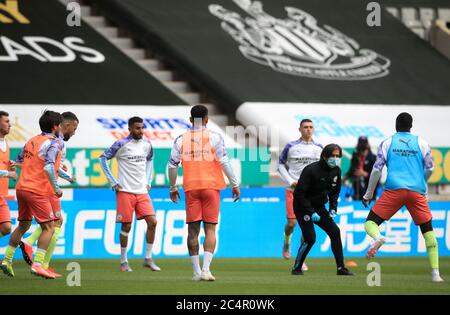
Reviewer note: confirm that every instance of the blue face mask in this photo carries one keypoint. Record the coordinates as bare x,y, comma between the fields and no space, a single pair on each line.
334,162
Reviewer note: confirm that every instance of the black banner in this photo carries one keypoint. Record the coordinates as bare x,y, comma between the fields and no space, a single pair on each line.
224,304
46,58
320,51
435,4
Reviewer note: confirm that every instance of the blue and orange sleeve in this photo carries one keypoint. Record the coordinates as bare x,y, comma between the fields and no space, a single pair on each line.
49,165
108,155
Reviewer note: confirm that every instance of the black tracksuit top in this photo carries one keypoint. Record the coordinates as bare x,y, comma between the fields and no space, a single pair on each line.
317,185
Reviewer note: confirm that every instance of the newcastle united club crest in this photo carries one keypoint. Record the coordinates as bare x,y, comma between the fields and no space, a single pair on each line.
297,45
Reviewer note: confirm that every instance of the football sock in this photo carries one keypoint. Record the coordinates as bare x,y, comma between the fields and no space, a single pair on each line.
51,247
34,236
432,248
196,264
39,256
287,238
372,229
9,253
123,253
148,251
207,258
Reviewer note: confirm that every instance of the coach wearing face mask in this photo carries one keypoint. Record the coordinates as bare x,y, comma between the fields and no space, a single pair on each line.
320,183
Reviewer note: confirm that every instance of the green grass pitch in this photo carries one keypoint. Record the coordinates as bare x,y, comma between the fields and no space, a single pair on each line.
234,276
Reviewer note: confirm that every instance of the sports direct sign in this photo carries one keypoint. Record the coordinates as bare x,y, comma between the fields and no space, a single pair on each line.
344,123
101,125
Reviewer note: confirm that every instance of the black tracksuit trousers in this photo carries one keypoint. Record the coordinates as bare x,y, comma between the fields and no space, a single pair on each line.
309,234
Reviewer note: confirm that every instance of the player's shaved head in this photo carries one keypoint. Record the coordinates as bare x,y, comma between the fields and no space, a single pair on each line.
69,116
403,123
199,111
69,125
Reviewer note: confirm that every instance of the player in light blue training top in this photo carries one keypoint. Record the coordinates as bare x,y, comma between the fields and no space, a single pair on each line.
409,162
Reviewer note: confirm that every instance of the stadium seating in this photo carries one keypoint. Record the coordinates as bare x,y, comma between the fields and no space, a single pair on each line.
440,37
420,19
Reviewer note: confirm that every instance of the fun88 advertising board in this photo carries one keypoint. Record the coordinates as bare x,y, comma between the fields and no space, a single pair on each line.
252,227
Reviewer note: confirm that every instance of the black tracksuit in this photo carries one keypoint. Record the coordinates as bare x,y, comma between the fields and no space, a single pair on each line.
317,185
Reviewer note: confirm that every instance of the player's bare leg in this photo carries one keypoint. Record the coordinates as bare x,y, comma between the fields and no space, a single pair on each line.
150,237
193,248
288,230
5,229
209,245
126,227
14,240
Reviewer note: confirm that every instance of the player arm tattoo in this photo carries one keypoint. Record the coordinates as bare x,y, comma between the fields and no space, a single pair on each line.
173,174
